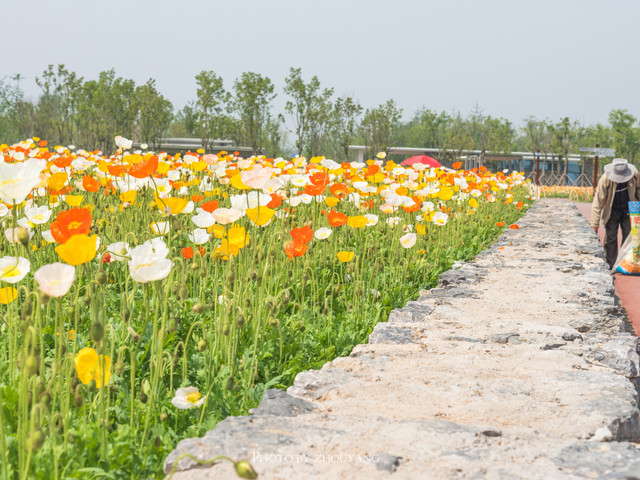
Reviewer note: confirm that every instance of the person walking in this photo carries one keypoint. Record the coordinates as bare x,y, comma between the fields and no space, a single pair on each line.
619,185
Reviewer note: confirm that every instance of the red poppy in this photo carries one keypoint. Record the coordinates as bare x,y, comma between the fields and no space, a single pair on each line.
336,219
295,249
106,258
145,168
302,234
275,202
90,184
514,226
187,252
76,221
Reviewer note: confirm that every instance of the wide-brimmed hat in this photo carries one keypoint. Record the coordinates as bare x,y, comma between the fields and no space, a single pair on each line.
619,170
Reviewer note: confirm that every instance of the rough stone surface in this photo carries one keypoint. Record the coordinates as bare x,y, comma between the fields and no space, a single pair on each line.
517,366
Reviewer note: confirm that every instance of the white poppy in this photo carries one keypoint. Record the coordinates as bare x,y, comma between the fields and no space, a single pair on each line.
199,236
225,216
123,143
38,215
204,219
55,279
119,251
13,269
18,179
148,265
322,233
160,228
440,218
408,240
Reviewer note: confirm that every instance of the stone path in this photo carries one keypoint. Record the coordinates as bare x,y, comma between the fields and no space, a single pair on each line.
518,366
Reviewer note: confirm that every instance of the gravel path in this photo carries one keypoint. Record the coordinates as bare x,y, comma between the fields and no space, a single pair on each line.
517,366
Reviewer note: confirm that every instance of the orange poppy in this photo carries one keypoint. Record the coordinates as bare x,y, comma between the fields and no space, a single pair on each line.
90,184
76,221
456,165
314,190
275,202
514,226
339,190
117,170
320,179
500,224
336,219
197,198
302,234
63,162
209,206
145,168
295,249
187,252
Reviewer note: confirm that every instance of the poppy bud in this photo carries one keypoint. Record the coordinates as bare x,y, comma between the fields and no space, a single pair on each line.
175,223
91,386
231,276
231,383
172,325
126,314
101,277
273,321
194,266
253,275
198,307
44,298
163,416
35,440
118,367
97,332
226,330
203,272
32,365
240,321
23,236
202,345
183,292
143,397
157,441
245,470
77,401
27,309
301,326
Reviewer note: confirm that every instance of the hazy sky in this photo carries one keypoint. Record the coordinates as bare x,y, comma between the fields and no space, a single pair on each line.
546,58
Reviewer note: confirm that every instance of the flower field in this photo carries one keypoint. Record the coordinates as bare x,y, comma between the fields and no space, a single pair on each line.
145,297
577,194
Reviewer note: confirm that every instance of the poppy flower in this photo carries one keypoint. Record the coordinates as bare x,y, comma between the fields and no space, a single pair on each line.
260,216
358,221
209,206
295,249
55,279
187,252
473,203
514,226
456,165
18,179
237,236
276,201
78,249
186,398
440,218
13,269
408,240
90,184
76,221
344,256
225,216
339,190
91,366
57,181
314,190
500,224
302,234
322,233
145,168
336,219
8,295
149,261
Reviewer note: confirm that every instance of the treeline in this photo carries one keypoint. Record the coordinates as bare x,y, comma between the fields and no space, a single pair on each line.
90,113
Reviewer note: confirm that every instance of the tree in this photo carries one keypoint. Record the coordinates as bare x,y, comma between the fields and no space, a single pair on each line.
154,113
380,126
210,107
57,105
253,94
563,140
626,138
309,108
345,122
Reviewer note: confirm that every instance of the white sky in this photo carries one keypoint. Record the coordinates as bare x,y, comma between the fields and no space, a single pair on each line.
546,58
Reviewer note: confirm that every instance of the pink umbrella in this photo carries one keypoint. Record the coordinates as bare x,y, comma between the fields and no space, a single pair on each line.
426,159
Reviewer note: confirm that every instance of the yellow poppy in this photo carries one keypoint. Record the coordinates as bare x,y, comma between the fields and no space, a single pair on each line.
163,167
218,231
331,201
236,181
358,221
74,200
8,295
445,193
78,249
421,229
57,180
260,215
175,204
238,237
198,166
91,366
345,257
473,203
129,196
